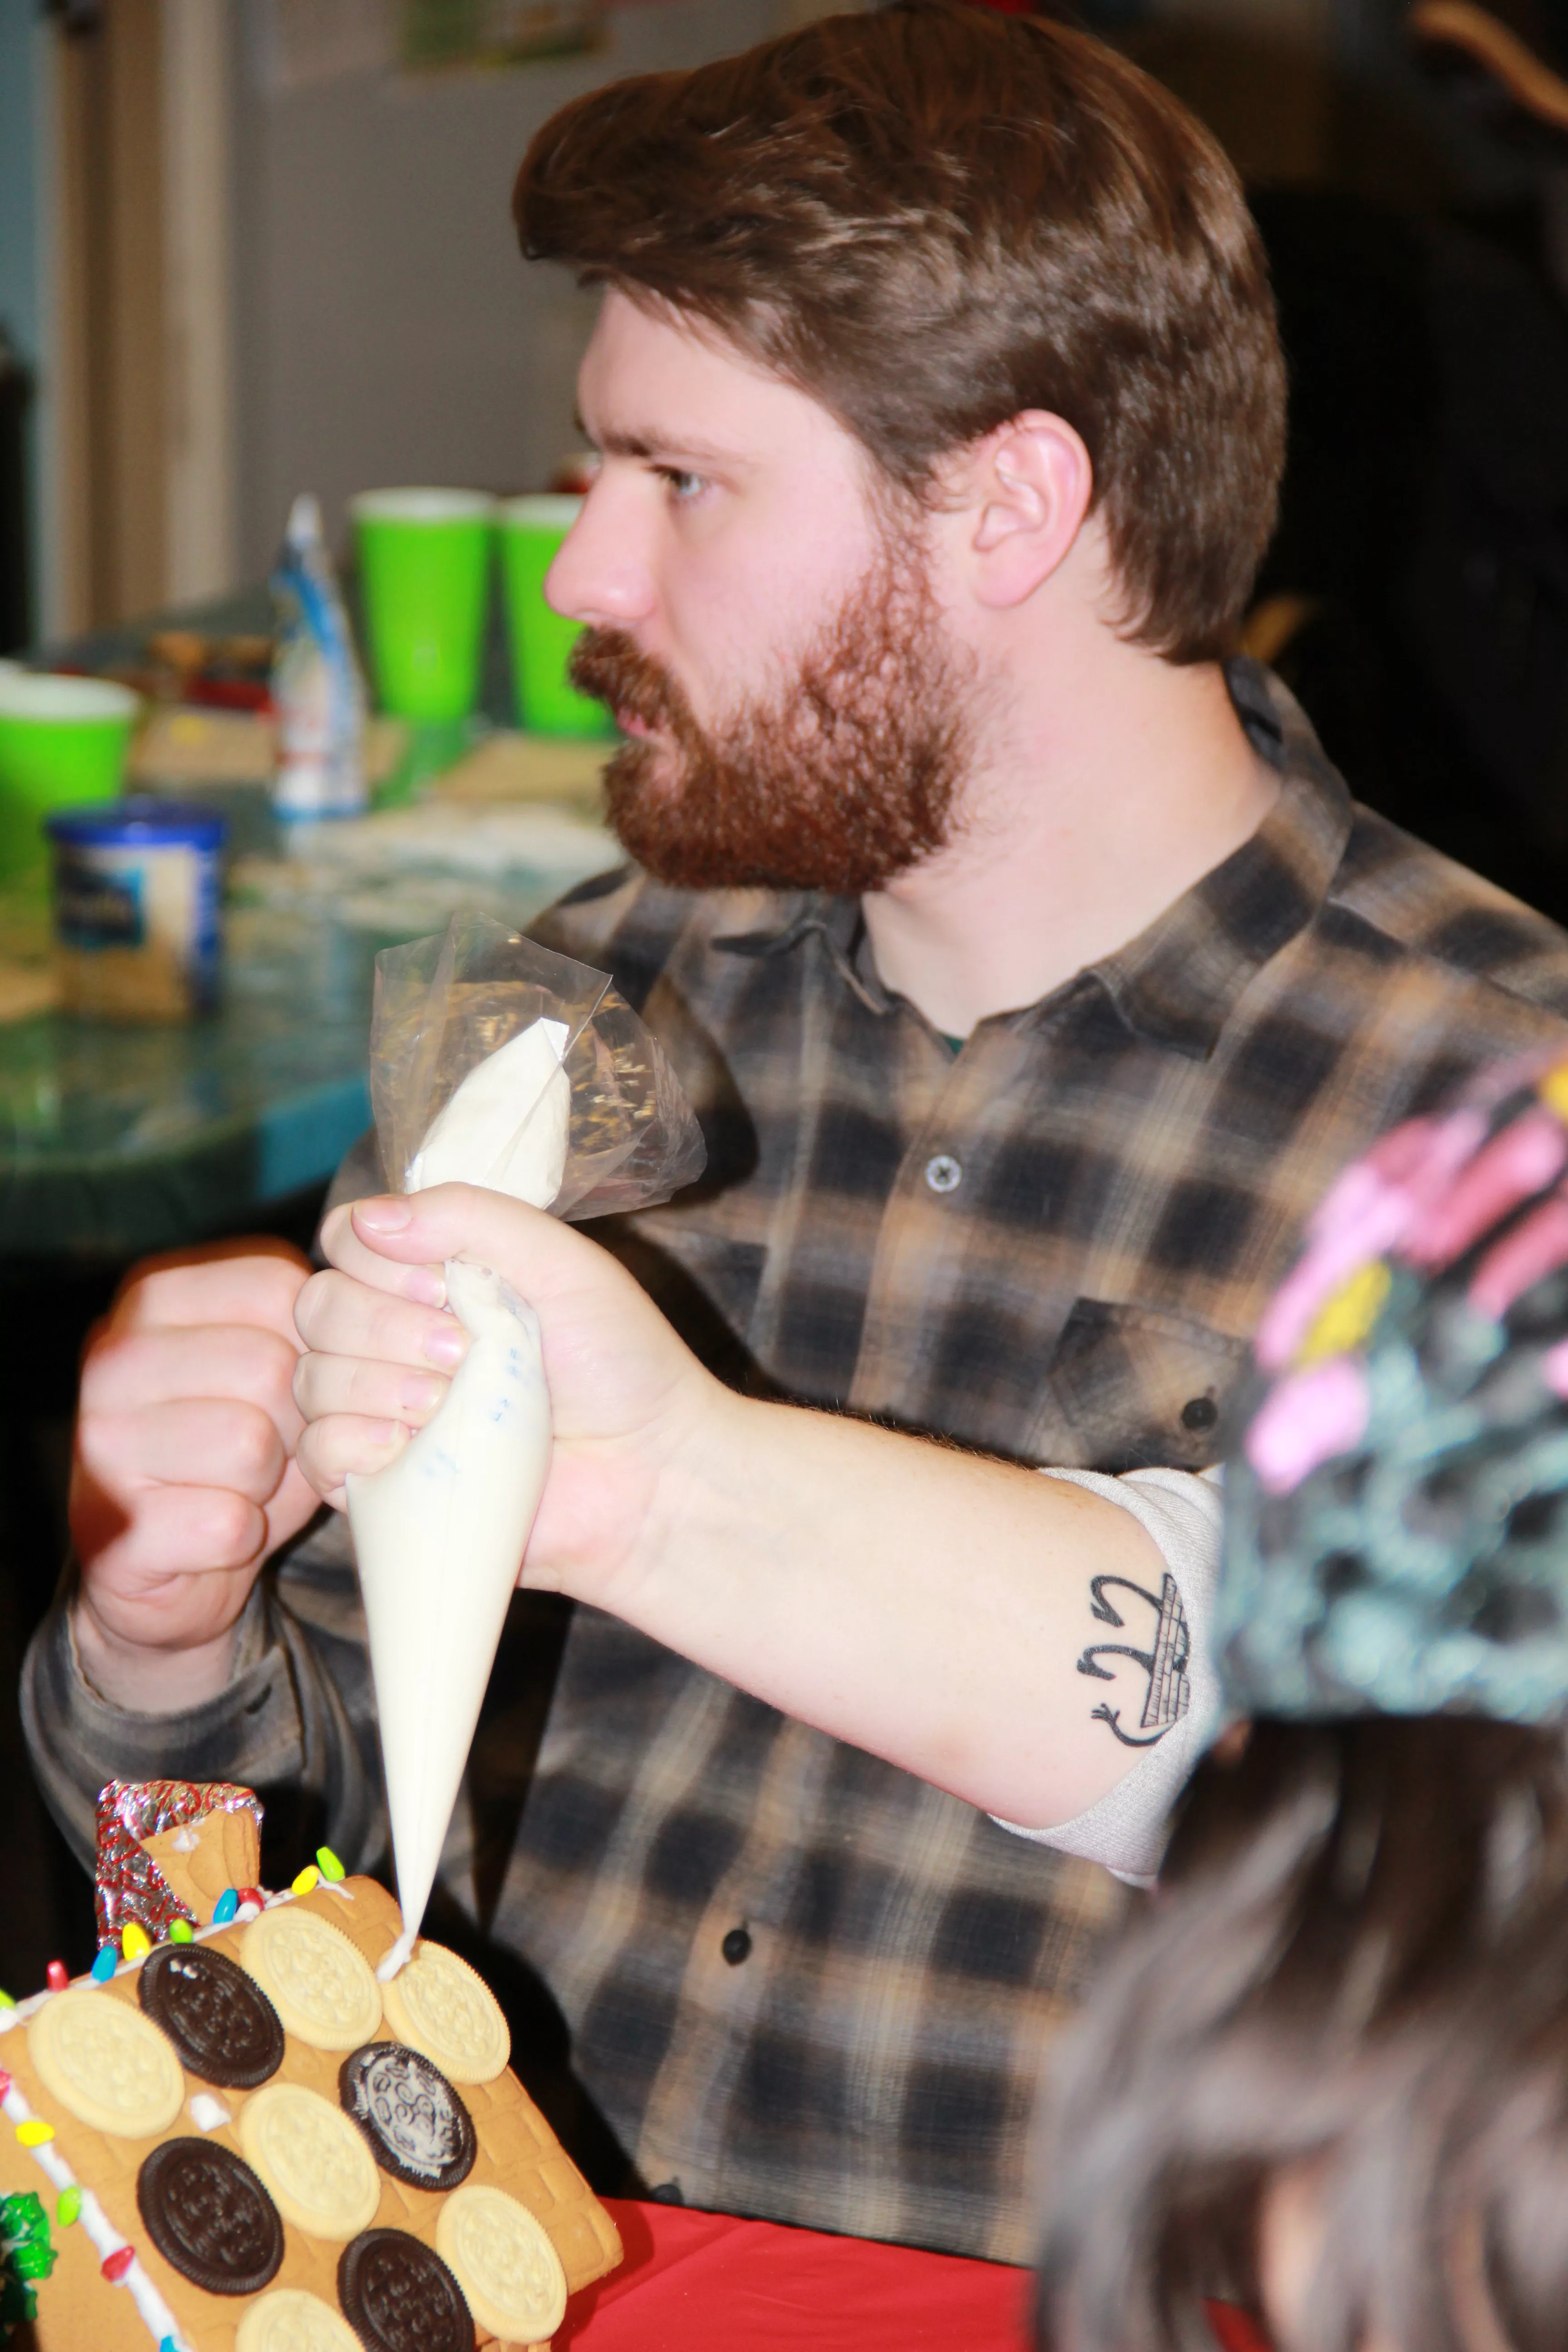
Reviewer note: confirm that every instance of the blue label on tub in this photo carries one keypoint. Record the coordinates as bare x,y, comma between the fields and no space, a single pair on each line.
95,908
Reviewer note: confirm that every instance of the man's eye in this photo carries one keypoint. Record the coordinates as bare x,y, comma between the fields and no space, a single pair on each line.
683,487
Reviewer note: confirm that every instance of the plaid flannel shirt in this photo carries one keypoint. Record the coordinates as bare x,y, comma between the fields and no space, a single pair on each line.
794,1981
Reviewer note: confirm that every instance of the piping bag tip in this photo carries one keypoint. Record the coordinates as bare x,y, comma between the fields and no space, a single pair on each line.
398,1958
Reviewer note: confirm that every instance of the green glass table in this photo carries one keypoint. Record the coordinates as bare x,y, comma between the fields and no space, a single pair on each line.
116,1140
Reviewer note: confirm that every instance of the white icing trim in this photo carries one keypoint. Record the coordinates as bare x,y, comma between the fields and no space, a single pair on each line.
151,2309
206,2113
394,1962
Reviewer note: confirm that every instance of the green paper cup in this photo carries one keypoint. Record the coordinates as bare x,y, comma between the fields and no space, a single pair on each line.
542,642
425,567
62,740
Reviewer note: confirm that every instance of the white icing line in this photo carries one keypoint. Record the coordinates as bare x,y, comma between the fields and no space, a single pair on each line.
151,2309
208,2114
397,1959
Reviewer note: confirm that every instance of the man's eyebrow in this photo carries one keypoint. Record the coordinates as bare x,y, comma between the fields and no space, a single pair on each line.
649,441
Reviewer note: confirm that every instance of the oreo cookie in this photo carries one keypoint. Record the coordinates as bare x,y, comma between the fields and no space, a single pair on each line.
209,2216
418,2126
399,2296
218,2019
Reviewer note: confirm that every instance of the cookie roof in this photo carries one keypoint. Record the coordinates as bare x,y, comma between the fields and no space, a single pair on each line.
515,2151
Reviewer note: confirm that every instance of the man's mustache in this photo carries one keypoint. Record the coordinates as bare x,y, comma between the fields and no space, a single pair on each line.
612,667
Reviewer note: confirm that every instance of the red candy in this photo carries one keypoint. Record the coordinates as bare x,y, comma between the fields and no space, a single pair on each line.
4,2083
115,2265
58,1976
253,1895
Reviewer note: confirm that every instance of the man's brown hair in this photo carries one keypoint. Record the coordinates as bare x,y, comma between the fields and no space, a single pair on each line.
934,217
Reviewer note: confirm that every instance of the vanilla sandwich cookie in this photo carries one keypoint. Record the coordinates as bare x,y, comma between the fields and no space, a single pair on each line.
503,2260
437,2005
322,1988
312,2159
106,2063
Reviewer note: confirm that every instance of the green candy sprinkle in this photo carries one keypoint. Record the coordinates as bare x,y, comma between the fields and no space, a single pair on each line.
329,1865
180,1931
7,2002
69,2206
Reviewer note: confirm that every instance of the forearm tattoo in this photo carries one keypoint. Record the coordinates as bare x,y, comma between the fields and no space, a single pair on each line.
1168,1694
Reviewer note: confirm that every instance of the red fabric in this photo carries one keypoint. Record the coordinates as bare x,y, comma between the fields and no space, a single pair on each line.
707,2282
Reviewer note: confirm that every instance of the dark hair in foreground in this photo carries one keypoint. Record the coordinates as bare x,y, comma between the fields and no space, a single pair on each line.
933,217
1359,1954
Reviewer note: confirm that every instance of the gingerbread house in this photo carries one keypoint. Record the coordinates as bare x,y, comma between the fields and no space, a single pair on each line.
243,2141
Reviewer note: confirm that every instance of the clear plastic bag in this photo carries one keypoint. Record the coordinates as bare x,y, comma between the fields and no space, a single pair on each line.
444,1004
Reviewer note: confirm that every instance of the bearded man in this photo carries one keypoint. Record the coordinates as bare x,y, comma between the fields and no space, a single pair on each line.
1032,974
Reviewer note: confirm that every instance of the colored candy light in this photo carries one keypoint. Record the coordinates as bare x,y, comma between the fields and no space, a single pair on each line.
7,2002
225,1908
309,1878
327,1862
136,1943
253,1895
180,1932
58,1976
69,2206
35,2134
115,2265
103,1966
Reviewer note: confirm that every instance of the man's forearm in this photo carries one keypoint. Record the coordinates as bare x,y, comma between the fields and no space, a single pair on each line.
293,1712
928,1605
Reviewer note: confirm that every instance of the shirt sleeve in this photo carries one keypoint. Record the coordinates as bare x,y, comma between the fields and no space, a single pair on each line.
297,1721
1182,1511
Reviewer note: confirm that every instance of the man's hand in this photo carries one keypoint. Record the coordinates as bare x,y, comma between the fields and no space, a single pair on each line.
930,1606
628,1398
184,1478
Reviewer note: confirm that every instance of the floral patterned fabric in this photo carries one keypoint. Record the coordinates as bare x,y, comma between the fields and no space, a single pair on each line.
1397,1507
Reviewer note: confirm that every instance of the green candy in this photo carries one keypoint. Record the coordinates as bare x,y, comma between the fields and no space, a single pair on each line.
69,2206
26,2251
180,1931
329,1865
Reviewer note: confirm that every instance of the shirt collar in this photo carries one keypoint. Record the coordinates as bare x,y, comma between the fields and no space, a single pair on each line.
1178,981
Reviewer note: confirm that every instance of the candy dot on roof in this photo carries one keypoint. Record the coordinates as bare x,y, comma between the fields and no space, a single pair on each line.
115,2265
103,1966
226,1906
180,1932
327,1862
136,1943
69,2206
35,2133
58,1976
309,1878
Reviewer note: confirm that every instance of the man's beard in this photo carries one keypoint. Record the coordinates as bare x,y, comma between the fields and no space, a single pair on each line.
842,779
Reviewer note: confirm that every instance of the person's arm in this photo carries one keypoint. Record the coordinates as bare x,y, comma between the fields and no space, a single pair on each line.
184,1480
934,1607
165,1655
293,1717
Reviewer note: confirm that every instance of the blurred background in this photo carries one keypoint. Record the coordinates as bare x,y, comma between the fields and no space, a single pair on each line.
251,248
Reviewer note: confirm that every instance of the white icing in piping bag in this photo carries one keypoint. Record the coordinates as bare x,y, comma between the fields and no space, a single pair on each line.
439,1534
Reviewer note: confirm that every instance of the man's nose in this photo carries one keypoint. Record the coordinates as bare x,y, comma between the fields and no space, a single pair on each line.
598,574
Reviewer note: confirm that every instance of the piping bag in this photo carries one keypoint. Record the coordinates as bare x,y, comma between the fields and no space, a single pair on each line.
493,1062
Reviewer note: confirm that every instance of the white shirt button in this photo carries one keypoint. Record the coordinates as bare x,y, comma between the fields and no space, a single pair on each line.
944,1173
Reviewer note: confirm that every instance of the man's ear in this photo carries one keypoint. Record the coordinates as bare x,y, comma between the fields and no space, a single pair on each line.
1028,489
